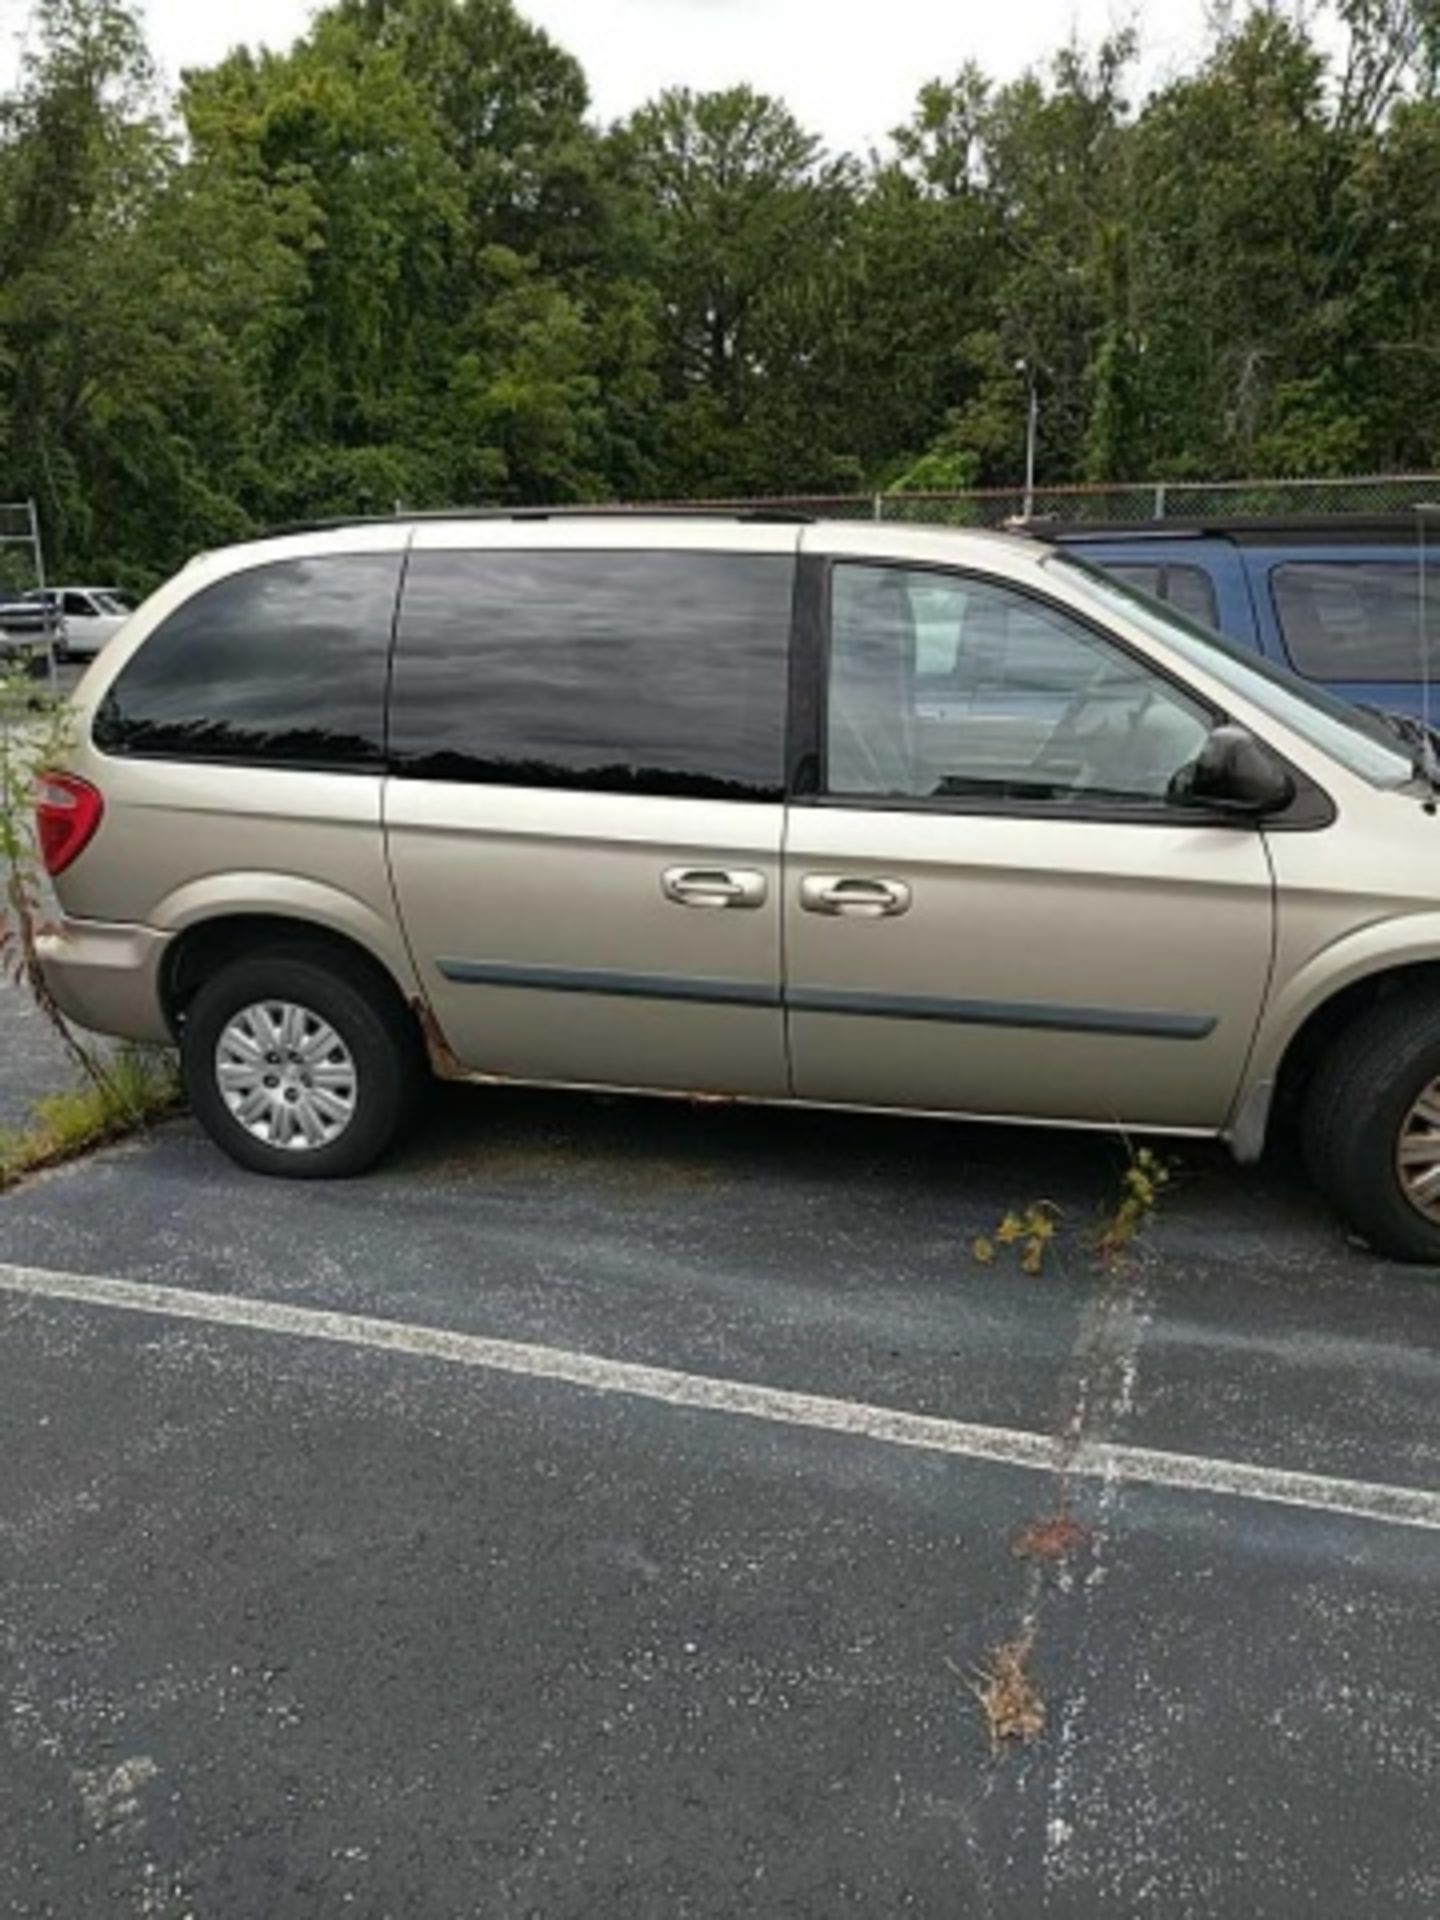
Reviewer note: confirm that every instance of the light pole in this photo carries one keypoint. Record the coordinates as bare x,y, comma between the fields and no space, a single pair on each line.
1032,427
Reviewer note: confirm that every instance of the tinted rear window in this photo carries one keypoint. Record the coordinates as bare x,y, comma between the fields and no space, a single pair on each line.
658,673
1352,619
1189,590
284,665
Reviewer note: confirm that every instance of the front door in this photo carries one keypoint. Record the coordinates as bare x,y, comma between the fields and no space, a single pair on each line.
990,908
586,815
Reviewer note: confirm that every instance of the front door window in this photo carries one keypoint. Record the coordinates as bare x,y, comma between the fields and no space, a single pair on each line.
949,687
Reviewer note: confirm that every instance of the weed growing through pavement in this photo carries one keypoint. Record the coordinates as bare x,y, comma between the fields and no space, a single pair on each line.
1012,1704
1032,1230
1141,1186
1009,1698
138,1086
36,732
120,1091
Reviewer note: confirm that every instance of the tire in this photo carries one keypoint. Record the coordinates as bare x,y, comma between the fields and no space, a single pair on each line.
375,1070
1356,1109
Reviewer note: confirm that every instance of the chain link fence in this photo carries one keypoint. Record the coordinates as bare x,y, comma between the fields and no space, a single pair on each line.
1154,500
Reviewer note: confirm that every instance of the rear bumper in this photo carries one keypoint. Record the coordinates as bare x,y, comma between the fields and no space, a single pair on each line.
106,976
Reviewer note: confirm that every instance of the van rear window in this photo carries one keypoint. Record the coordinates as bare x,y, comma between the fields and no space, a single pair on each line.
1352,619
283,665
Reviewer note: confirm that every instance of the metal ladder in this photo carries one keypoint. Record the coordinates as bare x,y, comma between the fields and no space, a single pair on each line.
20,528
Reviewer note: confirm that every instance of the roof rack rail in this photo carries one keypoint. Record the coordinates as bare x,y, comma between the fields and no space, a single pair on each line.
748,516
1251,529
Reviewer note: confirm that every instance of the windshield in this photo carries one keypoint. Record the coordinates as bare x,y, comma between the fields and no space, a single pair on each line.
112,602
1359,742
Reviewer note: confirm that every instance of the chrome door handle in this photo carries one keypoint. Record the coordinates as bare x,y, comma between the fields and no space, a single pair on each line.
713,887
854,897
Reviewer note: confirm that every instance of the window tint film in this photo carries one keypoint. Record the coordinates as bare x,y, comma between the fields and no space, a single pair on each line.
659,673
1189,589
284,665
946,687
1352,620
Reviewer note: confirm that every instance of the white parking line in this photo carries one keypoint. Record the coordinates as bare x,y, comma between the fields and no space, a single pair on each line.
1013,1447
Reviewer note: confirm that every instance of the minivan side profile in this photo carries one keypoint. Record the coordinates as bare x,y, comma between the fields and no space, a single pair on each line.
899,819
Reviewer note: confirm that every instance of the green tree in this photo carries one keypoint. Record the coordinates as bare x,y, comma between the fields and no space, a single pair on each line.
742,218
399,262
918,279
1239,252
81,151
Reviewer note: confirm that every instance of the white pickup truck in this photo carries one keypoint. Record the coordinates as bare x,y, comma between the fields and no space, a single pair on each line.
88,617
29,637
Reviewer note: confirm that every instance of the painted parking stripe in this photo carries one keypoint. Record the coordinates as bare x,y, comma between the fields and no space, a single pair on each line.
593,1373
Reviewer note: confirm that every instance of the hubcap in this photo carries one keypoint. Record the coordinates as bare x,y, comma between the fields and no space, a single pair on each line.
287,1076
1418,1154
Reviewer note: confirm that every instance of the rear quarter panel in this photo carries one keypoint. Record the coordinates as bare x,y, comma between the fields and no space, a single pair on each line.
182,841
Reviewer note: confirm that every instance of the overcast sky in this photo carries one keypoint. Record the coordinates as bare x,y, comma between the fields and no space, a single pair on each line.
849,68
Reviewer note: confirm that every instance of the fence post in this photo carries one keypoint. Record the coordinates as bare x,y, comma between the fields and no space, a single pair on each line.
1159,513
878,506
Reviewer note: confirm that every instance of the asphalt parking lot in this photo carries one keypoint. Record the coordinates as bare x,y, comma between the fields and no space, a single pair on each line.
544,1526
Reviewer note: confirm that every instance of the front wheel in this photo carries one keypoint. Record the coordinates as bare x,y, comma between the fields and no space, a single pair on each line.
1372,1127
299,1067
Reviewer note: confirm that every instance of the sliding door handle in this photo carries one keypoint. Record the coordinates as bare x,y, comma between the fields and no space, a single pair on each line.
713,887
854,898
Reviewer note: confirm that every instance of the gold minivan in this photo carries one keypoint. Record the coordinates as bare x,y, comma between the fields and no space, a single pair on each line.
744,805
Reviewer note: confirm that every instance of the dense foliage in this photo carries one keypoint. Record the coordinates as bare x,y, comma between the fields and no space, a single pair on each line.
400,263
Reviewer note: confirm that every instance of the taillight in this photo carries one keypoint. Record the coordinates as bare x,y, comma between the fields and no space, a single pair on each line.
67,812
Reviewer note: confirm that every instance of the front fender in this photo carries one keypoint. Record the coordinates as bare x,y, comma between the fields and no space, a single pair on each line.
1385,946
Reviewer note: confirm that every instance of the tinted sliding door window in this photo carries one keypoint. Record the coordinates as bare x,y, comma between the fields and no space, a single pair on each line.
658,673
945,687
284,665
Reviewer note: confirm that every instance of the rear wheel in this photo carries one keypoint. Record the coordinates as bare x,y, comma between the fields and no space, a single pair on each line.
299,1066
1372,1127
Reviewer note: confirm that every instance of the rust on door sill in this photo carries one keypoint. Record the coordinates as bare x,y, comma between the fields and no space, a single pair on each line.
443,1062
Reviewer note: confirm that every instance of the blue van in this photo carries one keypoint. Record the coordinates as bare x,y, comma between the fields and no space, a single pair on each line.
1337,601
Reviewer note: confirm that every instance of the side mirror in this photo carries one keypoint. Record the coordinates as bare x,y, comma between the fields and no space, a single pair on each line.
1234,773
